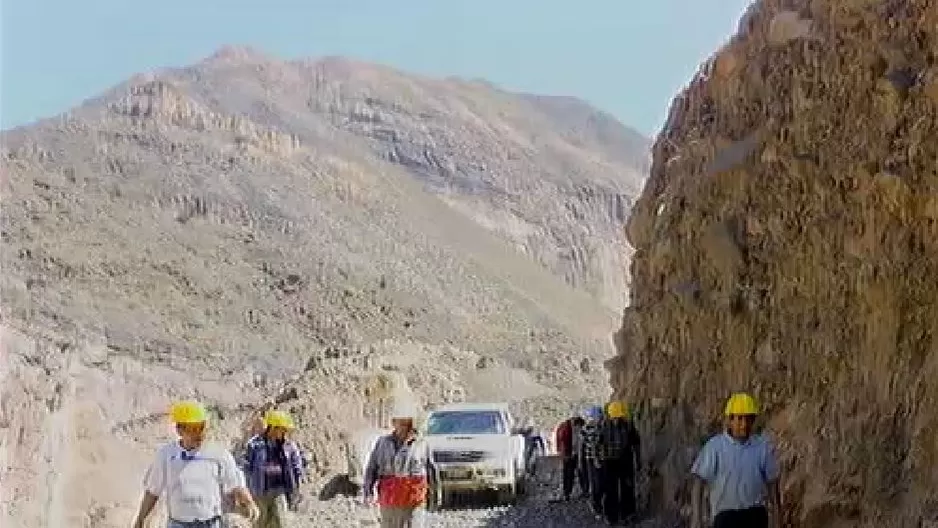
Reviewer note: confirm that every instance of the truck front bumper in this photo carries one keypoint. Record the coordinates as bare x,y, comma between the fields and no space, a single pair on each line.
473,477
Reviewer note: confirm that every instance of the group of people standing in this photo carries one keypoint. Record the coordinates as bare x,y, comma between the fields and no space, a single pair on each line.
196,477
601,450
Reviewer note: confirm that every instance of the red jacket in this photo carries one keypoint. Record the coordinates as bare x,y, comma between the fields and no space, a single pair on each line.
565,438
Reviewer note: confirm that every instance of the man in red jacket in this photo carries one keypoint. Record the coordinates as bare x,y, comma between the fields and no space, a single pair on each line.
568,433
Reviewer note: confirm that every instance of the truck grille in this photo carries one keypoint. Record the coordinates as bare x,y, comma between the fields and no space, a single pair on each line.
459,456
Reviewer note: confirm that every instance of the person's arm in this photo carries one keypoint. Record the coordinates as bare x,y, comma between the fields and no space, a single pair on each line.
146,507
370,476
705,470
233,483
153,483
636,441
775,498
696,503
296,461
772,476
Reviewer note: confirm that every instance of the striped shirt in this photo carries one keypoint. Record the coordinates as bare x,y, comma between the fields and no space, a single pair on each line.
589,436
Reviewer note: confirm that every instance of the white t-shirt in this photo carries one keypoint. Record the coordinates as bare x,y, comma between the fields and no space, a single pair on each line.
193,482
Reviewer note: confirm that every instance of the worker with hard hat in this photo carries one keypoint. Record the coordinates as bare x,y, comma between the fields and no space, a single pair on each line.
274,466
193,475
619,451
739,466
589,459
397,468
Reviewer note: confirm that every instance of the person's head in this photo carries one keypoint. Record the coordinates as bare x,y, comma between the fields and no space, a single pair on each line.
403,417
741,412
617,409
190,418
277,424
402,426
594,413
578,421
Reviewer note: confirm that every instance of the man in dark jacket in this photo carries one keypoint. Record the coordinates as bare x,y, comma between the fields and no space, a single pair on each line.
619,449
273,466
589,461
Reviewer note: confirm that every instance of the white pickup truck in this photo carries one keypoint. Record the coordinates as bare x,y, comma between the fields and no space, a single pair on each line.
474,447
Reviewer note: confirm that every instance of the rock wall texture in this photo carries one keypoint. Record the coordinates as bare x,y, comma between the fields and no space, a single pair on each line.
787,244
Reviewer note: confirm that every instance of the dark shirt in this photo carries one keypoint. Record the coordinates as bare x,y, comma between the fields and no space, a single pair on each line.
274,466
619,440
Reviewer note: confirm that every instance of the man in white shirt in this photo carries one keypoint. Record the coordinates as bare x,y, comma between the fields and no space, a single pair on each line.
193,477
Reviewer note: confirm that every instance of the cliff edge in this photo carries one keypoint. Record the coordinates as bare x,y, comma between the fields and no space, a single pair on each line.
787,244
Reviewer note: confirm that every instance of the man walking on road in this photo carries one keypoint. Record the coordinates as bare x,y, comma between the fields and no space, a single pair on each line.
397,466
620,455
589,457
273,466
193,476
738,466
568,439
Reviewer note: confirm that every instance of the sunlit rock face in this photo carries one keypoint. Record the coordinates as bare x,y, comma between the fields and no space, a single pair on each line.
787,244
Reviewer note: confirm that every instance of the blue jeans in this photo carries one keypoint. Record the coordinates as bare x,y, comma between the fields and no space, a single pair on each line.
212,523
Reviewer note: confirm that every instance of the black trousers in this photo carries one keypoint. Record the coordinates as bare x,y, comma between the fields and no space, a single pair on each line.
569,475
582,475
596,486
618,489
757,517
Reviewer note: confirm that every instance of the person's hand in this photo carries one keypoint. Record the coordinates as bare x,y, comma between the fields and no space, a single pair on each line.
254,513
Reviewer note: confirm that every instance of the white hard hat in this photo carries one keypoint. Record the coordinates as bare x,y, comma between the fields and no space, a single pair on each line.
404,411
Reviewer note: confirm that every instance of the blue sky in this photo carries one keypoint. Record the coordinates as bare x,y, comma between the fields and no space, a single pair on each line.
628,57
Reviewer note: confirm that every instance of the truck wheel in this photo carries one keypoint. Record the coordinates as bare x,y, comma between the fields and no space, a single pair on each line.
508,495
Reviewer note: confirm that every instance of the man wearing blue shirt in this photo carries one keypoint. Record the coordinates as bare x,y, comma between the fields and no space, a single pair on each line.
739,467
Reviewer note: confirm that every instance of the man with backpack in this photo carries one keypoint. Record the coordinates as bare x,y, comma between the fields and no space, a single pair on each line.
619,452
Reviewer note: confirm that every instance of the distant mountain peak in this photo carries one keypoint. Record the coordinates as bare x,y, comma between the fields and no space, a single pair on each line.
238,54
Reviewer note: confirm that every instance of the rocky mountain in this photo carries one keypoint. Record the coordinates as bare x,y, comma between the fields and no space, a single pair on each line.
787,244
328,235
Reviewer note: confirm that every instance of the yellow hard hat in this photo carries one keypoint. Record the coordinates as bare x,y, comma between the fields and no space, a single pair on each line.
741,404
617,409
275,418
188,412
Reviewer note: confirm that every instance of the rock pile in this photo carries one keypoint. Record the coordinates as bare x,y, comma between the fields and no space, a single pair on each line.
787,244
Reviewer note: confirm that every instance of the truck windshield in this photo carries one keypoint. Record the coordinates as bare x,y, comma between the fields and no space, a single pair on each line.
465,422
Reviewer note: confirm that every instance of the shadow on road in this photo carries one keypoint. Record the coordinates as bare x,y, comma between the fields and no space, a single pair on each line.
540,509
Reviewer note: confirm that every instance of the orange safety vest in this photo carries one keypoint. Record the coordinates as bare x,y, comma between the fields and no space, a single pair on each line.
402,481
402,491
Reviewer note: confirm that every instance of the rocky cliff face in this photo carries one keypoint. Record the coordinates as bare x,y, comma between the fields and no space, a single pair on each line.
787,244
